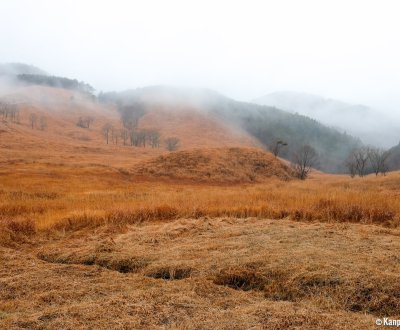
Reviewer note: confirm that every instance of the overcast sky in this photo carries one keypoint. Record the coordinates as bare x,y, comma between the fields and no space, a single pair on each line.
348,50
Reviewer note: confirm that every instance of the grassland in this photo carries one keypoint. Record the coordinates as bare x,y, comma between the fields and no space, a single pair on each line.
108,250
96,236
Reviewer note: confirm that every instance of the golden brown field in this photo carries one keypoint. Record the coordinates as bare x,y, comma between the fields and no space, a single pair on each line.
106,250
96,236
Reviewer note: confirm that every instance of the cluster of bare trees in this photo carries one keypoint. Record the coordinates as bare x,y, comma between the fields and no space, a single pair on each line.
365,160
137,137
9,111
85,122
38,122
133,137
129,134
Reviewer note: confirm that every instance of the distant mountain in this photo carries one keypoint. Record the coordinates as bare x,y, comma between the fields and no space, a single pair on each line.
368,124
267,124
394,158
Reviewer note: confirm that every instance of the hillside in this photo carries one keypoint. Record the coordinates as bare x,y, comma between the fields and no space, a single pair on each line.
220,165
266,124
371,126
394,158
62,141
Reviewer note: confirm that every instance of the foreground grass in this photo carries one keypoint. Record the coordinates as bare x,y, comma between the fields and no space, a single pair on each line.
70,198
221,273
94,247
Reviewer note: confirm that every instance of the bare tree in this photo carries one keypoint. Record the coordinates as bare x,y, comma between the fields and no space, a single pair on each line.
172,143
277,146
154,138
114,135
85,122
33,120
304,160
378,160
124,135
8,110
351,166
107,127
130,114
357,161
42,123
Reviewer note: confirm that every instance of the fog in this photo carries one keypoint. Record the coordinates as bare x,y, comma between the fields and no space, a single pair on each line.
345,50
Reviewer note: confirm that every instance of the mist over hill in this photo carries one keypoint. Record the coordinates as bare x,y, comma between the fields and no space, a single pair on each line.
370,125
14,69
267,124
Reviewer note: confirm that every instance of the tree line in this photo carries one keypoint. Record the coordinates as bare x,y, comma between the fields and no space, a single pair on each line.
366,160
9,111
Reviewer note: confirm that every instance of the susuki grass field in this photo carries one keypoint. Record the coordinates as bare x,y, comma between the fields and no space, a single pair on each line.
76,197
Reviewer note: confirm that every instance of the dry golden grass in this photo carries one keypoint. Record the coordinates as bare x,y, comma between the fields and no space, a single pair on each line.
206,273
216,165
97,195
87,243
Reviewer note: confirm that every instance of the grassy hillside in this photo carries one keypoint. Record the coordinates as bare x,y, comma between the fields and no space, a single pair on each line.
63,141
266,124
216,165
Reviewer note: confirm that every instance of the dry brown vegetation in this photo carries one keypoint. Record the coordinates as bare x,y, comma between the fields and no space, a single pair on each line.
90,237
216,165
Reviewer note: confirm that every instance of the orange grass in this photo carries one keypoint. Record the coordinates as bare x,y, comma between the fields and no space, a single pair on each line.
73,197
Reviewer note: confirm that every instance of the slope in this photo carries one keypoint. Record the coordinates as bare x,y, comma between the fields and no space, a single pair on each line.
359,120
219,165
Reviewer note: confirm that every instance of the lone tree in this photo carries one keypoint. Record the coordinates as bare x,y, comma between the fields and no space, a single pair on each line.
304,160
42,123
277,146
172,143
33,120
106,129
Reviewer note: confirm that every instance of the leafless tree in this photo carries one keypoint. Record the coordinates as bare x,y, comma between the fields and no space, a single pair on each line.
42,123
276,147
115,133
85,122
172,143
124,135
351,166
33,120
106,129
304,160
10,111
357,161
154,138
130,114
378,160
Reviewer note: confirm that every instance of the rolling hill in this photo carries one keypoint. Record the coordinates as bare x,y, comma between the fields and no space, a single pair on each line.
62,141
266,124
216,165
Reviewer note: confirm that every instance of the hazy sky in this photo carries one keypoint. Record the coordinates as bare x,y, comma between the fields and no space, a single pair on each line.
348,50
